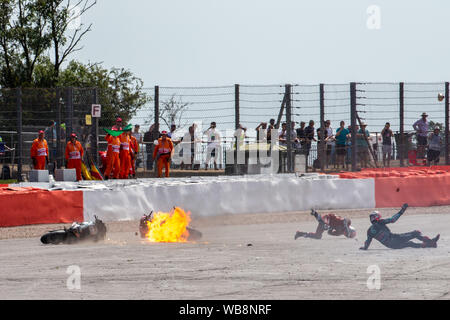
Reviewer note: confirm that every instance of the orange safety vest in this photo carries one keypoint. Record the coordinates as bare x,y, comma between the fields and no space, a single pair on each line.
39,148
74,151
114,143
163,147
125,142
134,144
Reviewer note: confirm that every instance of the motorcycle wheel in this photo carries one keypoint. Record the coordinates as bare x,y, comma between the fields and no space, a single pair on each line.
53,237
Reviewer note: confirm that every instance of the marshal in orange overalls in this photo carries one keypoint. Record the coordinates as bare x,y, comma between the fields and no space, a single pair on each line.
74,154
125,157
39,151
163,152
113,158
134,151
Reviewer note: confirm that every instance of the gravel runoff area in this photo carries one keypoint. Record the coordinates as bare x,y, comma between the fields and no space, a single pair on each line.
240,257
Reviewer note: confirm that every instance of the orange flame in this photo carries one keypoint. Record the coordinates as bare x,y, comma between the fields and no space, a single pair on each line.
169,227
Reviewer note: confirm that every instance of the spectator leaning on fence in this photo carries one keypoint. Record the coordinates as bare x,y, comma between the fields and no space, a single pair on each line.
434,147
301,135
309,136
282,135
341,141
421,126
386,135
212,149
261,132
270,127
363,146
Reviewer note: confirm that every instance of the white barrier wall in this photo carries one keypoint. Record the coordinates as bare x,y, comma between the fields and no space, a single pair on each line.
222,196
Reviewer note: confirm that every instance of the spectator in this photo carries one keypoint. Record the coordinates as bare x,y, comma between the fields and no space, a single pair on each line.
349,144
173,135
421,126
212,150
270,127
240,135
282,136
434,149
362,145
301,135
261,132
309,136
190,140
139,140
386,135
137,134
330,140
341,139
149,138
3,147
294,139
51,137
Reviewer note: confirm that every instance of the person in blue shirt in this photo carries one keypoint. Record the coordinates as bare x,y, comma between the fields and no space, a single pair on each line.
362,146
381,232
341,140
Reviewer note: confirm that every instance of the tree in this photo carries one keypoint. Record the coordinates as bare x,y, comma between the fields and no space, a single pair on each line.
120,92
31,28
172,111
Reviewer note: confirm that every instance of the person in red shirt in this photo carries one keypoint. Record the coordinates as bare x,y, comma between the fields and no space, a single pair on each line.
335,225
125,156
39,152
113,158
163,154
74,154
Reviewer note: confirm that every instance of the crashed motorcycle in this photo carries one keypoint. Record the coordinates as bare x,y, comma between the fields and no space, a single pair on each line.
78,232
194,235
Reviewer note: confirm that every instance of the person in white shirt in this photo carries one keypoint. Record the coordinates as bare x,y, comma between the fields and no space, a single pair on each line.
213,148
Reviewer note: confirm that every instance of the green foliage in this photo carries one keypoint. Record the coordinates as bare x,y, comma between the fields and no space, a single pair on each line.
35,42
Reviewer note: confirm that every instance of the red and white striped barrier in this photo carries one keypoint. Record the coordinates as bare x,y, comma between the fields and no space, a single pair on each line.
204,197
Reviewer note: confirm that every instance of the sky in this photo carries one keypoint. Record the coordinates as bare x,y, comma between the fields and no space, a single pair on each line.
195,43
211,42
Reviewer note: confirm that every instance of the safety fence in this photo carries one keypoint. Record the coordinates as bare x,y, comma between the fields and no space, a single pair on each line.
243,115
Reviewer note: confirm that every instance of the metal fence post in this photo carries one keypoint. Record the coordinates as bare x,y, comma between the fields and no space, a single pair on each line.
447,123
96,125
289,127
58,130
353,121
237,120
19,134
402,147
322,144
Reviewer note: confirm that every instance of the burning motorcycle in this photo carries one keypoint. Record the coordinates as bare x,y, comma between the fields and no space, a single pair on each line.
78,232
165,227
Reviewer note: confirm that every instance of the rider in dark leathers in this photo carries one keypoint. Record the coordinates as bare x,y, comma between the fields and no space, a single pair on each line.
381,232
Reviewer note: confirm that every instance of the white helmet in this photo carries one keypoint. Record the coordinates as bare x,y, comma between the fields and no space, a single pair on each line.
352,232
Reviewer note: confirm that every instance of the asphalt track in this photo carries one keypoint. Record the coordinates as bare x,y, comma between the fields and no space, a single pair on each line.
240,257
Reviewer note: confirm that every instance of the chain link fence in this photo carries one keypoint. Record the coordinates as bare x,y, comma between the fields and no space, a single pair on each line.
243,115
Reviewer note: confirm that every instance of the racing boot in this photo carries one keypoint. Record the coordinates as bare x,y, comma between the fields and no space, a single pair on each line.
431,243
299,235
